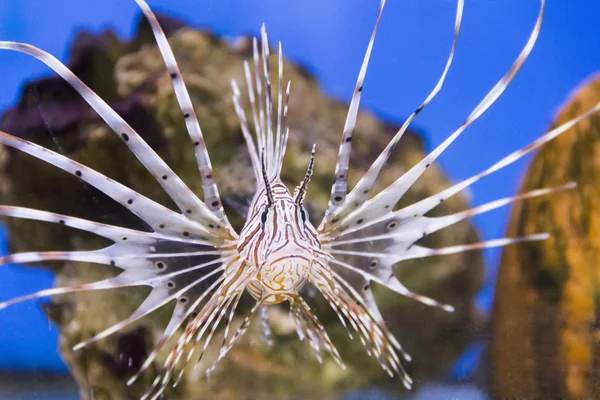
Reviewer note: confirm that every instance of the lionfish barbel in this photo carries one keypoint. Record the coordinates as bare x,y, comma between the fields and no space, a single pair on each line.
278,251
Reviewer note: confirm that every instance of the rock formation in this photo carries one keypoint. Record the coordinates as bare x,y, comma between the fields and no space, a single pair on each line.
546,342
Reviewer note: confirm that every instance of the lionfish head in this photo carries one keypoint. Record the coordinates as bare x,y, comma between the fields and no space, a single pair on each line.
278,238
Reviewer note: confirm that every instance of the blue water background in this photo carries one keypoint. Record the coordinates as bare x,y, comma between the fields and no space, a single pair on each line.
329,38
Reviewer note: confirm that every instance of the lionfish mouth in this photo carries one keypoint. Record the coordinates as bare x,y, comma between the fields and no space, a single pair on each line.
189,257
276,298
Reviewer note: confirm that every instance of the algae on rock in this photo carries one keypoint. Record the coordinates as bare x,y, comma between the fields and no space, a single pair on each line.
132,77
546,342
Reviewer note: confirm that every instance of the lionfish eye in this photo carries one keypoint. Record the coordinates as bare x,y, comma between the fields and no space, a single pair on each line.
263,217
303,214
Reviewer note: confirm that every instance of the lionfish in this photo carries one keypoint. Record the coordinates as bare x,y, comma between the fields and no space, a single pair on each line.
278,251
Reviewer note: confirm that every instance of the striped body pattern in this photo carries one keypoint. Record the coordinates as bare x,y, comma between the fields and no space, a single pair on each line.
281,245
194,258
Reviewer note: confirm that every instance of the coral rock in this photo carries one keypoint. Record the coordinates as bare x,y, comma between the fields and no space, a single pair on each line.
546,342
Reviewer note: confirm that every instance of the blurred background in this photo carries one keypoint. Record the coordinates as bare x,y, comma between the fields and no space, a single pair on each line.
329,39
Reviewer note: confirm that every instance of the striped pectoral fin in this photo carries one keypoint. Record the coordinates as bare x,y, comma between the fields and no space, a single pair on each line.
309,328
228,343
339,188
360,193
160,218
351,306
145,258
99,285
358,212
176,271
211,192
375,220
186,284
360,287
389,197
399,229
208,327
377,267
136,274
111,232
422,252
167,283
373,258
206,321
395,231
367,252
267,333
155,256
166,287
170,368
101,256
164,175
371,254
228,300
183,310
